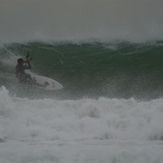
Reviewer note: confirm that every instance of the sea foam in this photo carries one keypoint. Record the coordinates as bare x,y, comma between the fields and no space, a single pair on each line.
117,126
82,119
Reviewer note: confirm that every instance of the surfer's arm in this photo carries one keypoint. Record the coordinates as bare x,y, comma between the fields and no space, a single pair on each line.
27,65
27,62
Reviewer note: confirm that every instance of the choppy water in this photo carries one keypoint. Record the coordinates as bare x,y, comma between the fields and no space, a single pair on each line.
110,110
92,69
84,130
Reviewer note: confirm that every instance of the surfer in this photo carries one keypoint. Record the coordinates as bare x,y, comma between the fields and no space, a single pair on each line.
25,76
21,66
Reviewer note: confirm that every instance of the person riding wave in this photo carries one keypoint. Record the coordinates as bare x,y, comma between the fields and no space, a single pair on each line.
21,66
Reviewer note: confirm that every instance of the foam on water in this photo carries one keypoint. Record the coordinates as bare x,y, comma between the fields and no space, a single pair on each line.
85,130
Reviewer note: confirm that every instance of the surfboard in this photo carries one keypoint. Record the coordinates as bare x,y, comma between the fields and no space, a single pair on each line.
44,82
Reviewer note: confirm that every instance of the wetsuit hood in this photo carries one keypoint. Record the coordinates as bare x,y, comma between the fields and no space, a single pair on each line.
20,61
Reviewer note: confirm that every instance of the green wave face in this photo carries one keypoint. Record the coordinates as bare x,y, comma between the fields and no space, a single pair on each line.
119,69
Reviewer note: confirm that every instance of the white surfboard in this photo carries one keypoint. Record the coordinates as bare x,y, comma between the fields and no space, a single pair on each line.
44,82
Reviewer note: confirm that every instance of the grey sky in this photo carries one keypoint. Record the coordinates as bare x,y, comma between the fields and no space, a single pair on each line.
80,19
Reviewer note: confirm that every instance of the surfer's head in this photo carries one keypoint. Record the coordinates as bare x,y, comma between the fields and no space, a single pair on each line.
20,61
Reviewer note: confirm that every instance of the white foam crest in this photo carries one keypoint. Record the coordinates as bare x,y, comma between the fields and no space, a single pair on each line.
103,118
6,102
8,58
85,130
10,61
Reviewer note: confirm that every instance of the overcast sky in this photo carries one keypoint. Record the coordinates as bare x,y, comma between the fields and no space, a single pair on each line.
80,19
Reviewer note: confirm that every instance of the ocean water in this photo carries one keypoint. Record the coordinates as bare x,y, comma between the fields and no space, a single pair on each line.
110,110
89,69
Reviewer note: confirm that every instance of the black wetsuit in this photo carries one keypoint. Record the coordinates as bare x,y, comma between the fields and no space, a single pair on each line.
20,73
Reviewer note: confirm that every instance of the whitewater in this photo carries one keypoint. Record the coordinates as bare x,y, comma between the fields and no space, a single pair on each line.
84,131
105,113
108,56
